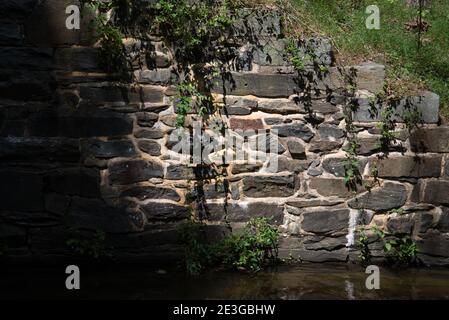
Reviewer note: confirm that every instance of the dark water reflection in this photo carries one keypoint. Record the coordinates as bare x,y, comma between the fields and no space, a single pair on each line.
299,282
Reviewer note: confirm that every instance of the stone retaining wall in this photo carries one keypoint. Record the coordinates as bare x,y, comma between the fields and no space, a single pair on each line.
81,150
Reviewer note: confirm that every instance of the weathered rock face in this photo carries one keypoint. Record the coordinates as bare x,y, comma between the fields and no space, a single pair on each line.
410,167
85,150
274,186
326,221
132,171
430,140
387,197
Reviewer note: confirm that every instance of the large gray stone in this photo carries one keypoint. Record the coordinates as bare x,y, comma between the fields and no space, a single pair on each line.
298,130
327,131
149,134
159,211
183,172
269,186
430,140
245,211
281,106
426,106
107,149
336,166
323,146
283,163
385,198
434,243
151,192
400,225
332,187
409,167
436,192
326,221
297,150
151,147
124,172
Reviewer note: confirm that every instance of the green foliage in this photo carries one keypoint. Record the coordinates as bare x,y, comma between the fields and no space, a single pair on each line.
365,252
353,177
251,249
399,249
189,96
197,254
295,57
91,246
108,35
393,44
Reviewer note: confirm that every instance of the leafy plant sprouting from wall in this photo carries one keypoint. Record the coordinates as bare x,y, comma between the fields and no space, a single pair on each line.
247,250
400,250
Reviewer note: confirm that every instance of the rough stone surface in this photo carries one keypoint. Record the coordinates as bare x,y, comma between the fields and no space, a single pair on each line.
297,130
132,171
159,211
400,225
281,106
332,187
274,186
146,119
430,140
151,192
297,150
319,146
327,131
245,211
326,221
387,197
151,147
108,149
413,167
336,166
246,124
436,192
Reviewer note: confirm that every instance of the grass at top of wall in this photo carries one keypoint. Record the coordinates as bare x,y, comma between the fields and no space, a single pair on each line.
393,45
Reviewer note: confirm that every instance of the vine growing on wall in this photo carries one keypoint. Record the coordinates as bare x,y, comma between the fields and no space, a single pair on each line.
200,37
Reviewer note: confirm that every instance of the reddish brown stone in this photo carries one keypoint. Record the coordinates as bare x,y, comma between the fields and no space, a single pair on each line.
246,124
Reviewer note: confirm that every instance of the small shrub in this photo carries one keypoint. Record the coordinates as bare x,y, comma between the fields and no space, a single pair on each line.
400,250
250,250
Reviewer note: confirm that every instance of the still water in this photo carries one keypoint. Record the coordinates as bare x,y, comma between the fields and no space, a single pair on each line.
306,281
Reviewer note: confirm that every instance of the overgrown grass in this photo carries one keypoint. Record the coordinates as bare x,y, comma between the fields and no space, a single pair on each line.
393,45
